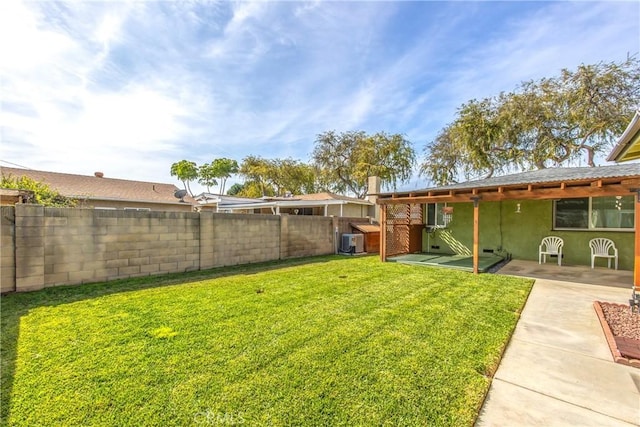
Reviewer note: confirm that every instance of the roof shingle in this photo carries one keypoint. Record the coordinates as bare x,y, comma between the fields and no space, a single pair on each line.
95,188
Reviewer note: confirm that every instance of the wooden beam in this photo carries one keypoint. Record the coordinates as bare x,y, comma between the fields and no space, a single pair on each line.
476,234
519,194
563,185
529,187
500,190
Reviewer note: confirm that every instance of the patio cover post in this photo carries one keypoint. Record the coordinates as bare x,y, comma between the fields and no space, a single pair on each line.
476,232
383,233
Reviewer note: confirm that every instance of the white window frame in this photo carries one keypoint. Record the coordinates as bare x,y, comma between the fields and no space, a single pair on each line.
589,217
440,220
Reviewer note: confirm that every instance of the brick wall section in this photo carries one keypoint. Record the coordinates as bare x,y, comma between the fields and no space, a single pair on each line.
7,250
207,255
60,246
306,236
245,238
30,244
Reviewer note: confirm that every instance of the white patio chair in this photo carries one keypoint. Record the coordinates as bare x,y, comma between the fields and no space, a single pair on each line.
601,247
550,245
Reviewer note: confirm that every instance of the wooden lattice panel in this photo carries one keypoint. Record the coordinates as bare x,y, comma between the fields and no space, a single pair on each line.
403,228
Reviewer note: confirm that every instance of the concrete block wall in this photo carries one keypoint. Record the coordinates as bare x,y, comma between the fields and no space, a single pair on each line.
62,246
58,246
306,236
244,238
30,244
7,249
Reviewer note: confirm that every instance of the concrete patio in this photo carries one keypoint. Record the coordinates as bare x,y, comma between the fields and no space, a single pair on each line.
557,369
569,273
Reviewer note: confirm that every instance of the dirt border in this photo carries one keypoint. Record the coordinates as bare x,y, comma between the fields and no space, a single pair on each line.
608,334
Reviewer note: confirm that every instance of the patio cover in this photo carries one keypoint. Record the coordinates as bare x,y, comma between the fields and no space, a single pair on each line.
551,183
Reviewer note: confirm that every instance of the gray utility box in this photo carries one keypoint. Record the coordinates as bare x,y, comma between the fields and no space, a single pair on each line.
355,241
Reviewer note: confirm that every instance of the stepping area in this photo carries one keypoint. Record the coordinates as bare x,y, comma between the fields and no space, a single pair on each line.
458,262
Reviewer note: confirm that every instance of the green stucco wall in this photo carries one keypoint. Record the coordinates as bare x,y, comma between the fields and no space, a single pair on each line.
519,234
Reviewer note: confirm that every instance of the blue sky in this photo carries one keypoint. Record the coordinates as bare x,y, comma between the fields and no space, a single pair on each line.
128,88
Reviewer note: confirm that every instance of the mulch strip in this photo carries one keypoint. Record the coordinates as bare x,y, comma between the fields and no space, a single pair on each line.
625,351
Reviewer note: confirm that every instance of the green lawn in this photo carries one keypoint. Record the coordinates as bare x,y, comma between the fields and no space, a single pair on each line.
322,341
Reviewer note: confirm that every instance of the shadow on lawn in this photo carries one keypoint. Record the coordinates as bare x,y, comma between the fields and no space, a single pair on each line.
16,305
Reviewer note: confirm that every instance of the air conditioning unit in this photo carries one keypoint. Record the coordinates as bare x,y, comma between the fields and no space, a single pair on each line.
352,243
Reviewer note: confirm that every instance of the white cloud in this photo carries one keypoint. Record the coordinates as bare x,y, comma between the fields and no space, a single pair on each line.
56,113
25,45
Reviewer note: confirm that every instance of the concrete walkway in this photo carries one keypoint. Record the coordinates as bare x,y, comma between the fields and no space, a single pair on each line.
557,369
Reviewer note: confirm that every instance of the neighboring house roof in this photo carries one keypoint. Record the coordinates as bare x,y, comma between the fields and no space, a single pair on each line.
330,196
221,199
100,188
628,146
301,201
544,176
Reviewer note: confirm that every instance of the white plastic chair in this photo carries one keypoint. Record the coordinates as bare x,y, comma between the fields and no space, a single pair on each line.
600,247
550,245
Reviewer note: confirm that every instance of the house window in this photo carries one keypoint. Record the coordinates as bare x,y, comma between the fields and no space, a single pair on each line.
435,215
594,213
137,209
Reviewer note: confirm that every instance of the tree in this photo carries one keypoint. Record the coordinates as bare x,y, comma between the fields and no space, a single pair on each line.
256,171
207,176
277,176
223,168
550,122
235,189
185,171
42,193
346,160
254,190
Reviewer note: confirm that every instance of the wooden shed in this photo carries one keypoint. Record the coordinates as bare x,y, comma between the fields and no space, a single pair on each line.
371,236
